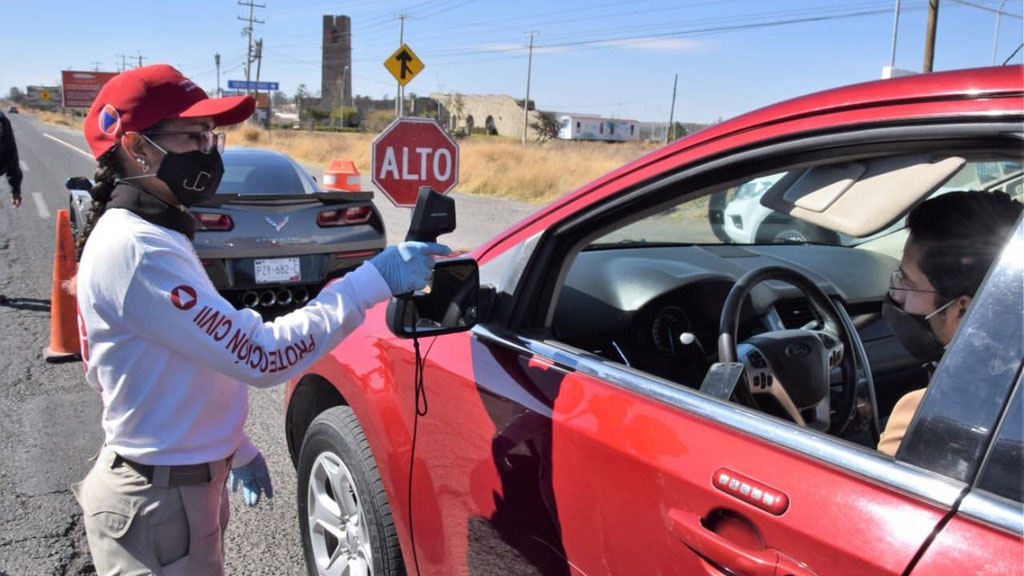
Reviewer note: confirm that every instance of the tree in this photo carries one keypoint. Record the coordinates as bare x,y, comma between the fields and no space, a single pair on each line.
15,95
677,131
345,115
546,127
278,98
318,115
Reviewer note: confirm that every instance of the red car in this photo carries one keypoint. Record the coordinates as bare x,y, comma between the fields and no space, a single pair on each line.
596,403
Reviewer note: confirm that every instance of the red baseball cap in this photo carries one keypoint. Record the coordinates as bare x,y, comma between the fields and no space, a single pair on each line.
137,99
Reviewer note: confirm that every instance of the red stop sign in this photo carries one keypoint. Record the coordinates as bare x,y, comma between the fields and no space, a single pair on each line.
414,152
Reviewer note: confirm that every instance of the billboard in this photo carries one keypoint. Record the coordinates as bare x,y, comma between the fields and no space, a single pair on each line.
81,87
45,97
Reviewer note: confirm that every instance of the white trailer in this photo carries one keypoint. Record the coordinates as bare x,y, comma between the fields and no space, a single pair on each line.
584,127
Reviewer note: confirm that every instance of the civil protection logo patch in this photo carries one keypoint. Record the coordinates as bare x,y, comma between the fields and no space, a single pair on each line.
183,297
110,120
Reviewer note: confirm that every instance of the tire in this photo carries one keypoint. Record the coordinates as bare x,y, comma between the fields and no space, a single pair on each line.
335,457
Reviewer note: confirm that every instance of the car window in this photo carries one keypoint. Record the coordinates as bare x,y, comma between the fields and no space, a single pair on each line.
249,175
736,215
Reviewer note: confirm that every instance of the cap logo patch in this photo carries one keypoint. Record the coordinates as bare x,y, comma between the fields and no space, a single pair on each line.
187,85
109,120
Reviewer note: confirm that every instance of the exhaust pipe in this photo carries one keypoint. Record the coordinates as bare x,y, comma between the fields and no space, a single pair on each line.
284,296
267,298
250,299
300,295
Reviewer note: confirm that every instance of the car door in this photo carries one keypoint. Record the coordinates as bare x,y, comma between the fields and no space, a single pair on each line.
653,478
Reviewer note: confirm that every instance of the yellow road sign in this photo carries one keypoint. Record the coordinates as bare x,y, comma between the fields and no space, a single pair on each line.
44,94
403,64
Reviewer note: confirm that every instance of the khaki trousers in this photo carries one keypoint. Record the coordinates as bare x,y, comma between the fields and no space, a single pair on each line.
136,526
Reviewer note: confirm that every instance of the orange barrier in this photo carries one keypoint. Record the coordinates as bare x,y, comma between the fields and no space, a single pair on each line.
342,176
64,343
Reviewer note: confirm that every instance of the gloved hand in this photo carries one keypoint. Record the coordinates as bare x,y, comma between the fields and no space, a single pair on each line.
254,478
407,266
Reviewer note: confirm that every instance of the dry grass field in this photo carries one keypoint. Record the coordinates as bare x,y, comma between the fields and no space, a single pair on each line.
498,167
488,166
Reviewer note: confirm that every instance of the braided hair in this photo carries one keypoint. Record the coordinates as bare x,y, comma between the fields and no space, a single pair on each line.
107,173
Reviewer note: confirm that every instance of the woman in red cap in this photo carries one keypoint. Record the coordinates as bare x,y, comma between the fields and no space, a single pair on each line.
170,357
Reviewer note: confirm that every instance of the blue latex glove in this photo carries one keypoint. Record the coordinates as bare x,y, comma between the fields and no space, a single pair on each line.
254,478
407,266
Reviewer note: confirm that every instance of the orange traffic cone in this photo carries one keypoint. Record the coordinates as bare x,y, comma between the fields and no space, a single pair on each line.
64,344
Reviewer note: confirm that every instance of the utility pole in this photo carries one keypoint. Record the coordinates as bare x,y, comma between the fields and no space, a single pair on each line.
400,92
895,28
526,101
96,66
141,58
259,63
672,111
995,41
124,62
216,60
249,57
929,40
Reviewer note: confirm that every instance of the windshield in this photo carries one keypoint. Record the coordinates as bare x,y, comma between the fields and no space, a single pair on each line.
737,216
248,174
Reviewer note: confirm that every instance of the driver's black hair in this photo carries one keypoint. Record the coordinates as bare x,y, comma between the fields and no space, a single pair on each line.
960,235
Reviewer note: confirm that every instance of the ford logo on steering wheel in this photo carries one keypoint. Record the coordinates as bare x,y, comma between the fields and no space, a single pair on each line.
798,350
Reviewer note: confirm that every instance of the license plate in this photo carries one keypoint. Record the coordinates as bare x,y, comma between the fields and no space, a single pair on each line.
277,270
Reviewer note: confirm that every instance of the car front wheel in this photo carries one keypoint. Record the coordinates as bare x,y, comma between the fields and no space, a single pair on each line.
346,523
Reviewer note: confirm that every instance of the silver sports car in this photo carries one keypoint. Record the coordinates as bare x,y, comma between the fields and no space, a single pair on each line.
271,238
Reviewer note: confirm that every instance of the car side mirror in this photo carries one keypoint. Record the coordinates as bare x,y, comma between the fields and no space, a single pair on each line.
450,303
78,183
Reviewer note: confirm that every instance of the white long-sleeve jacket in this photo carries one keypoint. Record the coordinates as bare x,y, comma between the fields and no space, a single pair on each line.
172,358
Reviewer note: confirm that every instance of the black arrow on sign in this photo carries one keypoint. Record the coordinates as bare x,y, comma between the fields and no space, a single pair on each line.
404,57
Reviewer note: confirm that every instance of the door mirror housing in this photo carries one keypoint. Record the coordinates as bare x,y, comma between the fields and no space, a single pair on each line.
78,183
450,303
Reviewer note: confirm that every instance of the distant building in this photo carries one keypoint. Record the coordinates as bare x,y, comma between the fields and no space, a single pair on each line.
336,65
493,114
589,127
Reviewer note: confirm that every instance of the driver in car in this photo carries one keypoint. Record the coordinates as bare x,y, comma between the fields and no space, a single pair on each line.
953,240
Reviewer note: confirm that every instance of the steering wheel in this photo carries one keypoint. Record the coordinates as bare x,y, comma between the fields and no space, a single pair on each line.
794,366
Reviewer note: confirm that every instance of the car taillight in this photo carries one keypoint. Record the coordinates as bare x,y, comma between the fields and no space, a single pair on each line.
214,222
344,216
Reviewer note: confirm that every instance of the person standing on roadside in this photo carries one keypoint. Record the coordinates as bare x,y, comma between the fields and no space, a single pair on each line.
9,164
170,357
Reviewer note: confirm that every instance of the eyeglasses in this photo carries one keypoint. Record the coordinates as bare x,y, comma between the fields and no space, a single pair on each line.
898,283
206,139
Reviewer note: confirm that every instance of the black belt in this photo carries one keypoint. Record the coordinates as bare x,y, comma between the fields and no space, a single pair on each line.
179,475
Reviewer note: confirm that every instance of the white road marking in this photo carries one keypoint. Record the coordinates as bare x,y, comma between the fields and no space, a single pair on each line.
75,148
41,205
24,167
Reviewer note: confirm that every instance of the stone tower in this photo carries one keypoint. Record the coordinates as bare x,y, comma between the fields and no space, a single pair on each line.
336,67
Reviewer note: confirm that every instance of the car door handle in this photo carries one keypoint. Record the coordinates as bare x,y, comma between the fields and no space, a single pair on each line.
706,543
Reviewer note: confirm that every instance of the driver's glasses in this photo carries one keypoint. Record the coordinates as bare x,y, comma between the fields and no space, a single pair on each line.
899,286
206,139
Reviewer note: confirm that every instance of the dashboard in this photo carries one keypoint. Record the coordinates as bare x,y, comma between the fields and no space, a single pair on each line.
657,308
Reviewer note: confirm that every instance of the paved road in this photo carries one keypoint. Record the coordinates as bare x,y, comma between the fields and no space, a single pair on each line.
49,417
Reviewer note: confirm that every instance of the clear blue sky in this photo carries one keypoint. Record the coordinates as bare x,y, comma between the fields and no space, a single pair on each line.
591,56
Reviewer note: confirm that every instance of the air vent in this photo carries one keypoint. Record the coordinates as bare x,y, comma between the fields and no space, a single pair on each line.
795,313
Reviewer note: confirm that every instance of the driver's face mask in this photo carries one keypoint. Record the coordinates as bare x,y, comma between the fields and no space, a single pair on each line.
193,177
913,330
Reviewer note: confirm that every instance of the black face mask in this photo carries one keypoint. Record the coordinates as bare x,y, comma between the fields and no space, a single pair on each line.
193,177
913,331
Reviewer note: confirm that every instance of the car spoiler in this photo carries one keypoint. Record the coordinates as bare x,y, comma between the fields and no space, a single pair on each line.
322,197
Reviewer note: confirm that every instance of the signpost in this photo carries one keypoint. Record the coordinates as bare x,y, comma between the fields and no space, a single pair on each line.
243,85
403,64
80,87
46,97
410,153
